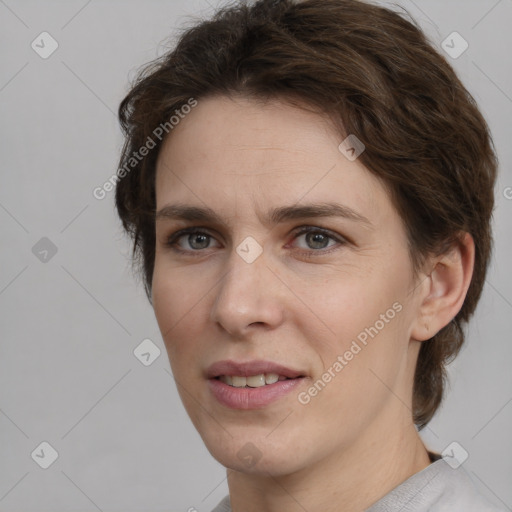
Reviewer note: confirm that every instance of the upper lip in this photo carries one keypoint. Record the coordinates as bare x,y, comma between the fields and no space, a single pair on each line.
246,369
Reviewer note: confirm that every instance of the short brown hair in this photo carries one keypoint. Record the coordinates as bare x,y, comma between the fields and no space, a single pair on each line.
374,73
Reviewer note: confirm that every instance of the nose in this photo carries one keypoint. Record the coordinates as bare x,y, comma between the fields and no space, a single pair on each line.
249,296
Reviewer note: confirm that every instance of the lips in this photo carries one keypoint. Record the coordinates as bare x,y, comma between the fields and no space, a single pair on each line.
249,369
234,384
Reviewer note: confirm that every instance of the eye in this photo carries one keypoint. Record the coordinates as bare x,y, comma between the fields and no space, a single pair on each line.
196,239
317,239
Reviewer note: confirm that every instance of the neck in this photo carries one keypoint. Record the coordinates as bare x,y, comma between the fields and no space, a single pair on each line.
352,478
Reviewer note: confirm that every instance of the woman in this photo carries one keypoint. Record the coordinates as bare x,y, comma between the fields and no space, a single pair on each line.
309,189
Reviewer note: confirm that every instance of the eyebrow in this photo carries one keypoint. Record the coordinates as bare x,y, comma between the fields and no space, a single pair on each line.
273,216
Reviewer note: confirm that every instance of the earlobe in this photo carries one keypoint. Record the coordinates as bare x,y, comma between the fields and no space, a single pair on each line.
445,288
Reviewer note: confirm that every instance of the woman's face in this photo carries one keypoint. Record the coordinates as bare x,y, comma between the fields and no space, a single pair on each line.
249,293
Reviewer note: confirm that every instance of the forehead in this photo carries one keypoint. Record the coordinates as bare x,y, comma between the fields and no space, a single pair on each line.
262,154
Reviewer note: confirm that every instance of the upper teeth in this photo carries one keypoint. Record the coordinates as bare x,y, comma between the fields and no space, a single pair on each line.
254,381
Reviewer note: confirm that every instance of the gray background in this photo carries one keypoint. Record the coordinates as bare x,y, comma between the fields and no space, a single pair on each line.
69,325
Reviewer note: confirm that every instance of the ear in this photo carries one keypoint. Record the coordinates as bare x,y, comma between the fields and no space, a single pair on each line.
444,289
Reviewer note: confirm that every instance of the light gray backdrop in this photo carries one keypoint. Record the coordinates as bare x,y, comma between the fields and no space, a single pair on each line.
71,319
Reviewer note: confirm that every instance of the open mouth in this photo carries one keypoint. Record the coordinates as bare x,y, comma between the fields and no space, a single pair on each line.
252,381
252,384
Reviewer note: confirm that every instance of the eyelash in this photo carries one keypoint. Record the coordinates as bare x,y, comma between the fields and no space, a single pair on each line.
173,239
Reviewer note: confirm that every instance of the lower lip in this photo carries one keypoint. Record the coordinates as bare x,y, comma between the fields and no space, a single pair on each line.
252,398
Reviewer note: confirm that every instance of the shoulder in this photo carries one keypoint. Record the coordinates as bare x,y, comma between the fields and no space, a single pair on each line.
460,492
437,488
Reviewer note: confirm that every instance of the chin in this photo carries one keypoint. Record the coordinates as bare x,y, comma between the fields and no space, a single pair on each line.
256,456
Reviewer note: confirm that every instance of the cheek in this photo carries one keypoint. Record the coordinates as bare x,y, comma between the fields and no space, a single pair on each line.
361,317
345,305
361,362
177,304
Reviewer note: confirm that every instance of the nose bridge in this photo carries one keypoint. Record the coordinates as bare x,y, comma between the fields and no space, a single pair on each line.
245,294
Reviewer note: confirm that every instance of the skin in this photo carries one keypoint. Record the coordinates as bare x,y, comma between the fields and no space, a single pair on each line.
301,303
